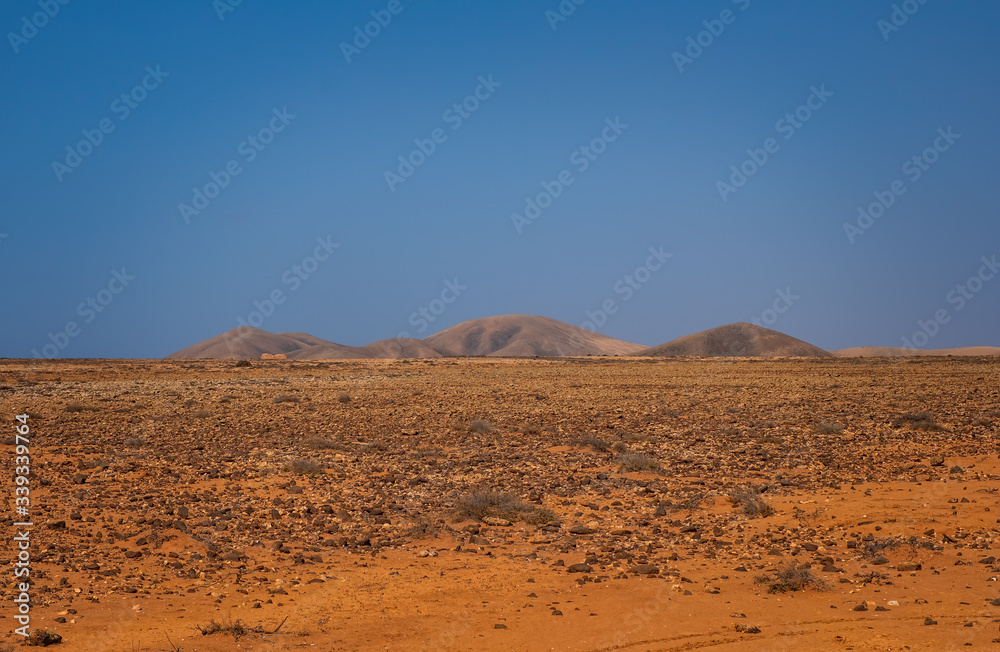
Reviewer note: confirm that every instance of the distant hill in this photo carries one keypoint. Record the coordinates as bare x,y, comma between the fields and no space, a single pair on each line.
395,348
401,347
900,352
737,340
248,342
525,335
530,335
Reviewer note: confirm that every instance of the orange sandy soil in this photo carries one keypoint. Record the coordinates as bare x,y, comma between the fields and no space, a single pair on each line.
171,494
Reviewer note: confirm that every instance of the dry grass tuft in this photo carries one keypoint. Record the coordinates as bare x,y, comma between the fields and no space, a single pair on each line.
482,504
305,467
637,462
749,500
790,577
480,427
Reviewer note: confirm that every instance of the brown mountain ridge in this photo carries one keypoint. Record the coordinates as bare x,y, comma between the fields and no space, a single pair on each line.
530,336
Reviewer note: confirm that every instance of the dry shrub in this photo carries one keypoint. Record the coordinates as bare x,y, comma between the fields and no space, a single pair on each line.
750,502
480,427
637,462
305,467
790,577
482,504
593,442
918,421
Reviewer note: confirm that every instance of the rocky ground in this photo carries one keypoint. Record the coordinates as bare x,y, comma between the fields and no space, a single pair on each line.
499,504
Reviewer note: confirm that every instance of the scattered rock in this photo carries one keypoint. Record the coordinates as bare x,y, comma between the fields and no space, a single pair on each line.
42,638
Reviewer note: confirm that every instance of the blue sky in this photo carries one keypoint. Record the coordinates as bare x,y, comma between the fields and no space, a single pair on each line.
268,90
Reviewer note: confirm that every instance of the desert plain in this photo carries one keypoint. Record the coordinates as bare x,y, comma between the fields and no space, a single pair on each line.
591,503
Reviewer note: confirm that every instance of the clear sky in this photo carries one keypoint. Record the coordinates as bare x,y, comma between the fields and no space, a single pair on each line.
622,132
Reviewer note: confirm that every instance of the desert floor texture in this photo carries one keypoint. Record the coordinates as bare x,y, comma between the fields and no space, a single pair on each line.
510,504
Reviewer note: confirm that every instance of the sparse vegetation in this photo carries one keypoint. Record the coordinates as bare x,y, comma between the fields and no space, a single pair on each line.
480,427
750,502
918,421
790,577
620,447
829,428
305,467
637,462
285,398
73,408
421,529
593,442
237,628
531,430
322,443
344,397
201,414
873,550
481,504
244,363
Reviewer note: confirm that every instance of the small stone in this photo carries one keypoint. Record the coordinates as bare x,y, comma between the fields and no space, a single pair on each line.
644,569
861,607
581,529
930,621
579,568
499,626
907,567
496,521
79,478
42,638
